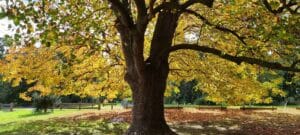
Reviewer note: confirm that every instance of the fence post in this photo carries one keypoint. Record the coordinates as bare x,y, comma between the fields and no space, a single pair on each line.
60,106
52,109
79,107
99,106
11,107
92,105
0,106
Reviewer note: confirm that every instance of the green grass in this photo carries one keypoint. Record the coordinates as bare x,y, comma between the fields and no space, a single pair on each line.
25,121
29,114
65,127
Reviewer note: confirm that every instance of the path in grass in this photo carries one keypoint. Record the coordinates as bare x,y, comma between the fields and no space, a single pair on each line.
184,122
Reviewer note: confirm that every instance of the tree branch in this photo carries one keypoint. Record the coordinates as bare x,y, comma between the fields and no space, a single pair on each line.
122,12
151,6
141,7
236,59
208,3
142,18
218,27
157,9
281,8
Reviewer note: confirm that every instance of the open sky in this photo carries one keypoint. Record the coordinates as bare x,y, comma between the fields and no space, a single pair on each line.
4,23
4,27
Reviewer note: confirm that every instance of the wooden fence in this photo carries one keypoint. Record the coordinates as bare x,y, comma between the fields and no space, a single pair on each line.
10,106
258,108
84,105
212,107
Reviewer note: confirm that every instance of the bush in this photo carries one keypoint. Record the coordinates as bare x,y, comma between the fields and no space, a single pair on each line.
200,101
45,102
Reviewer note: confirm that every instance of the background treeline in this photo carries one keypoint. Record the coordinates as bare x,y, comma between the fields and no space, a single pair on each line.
187,94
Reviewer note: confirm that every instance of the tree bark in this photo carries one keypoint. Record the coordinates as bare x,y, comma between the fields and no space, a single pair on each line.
147,79
148,110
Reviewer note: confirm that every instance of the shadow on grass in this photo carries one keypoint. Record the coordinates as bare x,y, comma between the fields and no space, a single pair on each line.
58,127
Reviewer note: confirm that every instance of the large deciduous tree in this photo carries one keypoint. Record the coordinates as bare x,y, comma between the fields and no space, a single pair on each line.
258,32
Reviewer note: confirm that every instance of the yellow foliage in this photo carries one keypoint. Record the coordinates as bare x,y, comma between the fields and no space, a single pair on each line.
64,70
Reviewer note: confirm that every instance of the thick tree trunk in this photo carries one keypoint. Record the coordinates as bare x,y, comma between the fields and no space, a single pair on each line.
147,79
148,96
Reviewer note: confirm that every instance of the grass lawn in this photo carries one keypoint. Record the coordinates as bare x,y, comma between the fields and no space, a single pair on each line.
21,118
28,114
188,121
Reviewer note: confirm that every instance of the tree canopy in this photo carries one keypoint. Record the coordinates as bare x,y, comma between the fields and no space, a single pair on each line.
77,28
86,46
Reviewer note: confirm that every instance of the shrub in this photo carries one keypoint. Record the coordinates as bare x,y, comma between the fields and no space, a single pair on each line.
45,102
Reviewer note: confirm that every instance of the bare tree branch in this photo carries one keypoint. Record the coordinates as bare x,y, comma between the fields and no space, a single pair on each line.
236,59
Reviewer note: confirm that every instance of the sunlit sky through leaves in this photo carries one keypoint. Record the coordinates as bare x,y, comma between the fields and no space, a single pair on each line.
4,30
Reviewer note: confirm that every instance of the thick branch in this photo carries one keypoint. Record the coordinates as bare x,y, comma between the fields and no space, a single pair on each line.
142,18
157,9
122,13
151,5
141,7
236,59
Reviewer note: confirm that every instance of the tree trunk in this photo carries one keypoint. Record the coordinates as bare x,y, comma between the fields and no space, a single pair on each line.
45,110
147,79
148,98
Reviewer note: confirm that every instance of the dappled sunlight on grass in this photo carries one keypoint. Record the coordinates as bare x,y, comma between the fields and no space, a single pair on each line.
184,122
66,127
28,114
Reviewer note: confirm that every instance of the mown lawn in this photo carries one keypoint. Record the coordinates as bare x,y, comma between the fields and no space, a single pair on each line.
27,122
29,115
66,127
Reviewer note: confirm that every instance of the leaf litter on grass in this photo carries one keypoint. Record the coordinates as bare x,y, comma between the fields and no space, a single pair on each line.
184,122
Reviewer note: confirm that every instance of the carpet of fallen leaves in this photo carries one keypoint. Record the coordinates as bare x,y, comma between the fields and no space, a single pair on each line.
196,122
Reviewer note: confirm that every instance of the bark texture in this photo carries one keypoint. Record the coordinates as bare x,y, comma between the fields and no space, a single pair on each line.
147,78
148,110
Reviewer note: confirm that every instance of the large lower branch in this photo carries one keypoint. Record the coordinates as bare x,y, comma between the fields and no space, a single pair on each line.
236,59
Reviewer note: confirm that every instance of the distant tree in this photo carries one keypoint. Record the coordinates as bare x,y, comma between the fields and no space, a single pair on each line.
291,85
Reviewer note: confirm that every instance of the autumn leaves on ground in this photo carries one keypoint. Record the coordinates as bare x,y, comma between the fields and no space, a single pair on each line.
187,121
